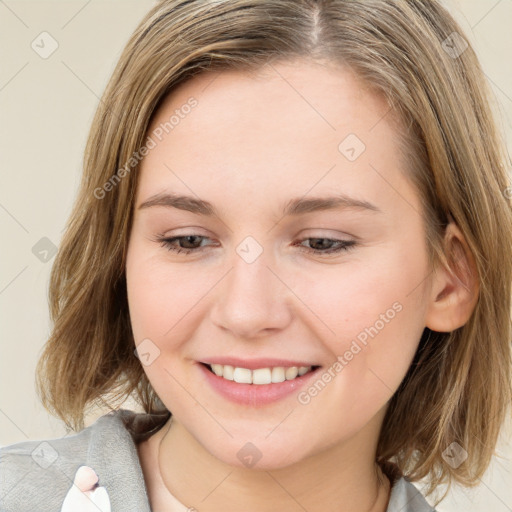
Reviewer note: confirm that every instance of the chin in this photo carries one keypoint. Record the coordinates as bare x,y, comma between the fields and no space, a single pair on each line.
244,454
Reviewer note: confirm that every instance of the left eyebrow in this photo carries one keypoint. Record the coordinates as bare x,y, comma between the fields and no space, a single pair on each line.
294,207
301,206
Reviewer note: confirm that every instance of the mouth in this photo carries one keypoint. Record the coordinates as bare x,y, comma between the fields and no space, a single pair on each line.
259,376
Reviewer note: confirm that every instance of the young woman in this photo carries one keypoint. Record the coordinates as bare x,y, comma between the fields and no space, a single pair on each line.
292,245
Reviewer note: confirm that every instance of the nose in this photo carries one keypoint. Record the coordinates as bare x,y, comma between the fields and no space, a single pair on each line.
252,300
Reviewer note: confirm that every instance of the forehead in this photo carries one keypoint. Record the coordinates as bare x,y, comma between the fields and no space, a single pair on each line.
287,125
305,87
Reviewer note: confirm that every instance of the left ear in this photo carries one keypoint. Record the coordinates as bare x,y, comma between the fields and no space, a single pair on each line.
455,286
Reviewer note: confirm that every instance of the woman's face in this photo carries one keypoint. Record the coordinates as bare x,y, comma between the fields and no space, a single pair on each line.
310,252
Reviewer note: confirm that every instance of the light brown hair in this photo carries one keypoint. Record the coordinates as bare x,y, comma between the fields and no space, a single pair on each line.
458,387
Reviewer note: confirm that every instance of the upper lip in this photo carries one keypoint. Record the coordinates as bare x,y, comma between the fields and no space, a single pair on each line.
253,364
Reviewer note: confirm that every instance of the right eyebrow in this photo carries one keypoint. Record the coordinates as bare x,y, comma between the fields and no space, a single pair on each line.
181,202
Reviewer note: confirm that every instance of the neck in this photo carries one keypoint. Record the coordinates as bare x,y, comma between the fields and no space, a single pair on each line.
342,477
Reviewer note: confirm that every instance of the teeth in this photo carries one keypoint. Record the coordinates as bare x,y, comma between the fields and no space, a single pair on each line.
260,375
278,374
226,372
242,375
291,373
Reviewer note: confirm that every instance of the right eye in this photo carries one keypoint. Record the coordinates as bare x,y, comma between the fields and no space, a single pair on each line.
175,244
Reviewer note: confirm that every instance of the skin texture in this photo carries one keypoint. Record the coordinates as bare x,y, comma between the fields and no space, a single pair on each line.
252,143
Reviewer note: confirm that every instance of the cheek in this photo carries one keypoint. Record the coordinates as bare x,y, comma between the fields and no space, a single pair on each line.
161,304
372,318
161,297
365,290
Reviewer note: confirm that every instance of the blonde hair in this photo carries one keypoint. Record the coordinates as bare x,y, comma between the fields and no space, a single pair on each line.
458,387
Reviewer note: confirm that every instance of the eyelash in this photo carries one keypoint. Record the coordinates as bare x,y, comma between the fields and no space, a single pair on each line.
344,245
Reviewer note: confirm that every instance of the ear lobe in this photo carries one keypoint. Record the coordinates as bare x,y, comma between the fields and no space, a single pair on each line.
455,287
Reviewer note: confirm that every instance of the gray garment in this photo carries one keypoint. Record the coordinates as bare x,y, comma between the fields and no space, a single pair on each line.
35,476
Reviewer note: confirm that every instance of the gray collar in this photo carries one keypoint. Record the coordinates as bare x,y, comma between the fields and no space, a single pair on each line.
37,475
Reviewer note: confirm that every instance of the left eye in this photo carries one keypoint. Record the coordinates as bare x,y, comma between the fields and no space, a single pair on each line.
326,245
342,245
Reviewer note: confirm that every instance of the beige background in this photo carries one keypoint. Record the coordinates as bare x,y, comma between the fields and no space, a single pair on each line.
46,108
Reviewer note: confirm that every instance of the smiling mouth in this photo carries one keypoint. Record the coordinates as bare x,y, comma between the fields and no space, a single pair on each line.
259,376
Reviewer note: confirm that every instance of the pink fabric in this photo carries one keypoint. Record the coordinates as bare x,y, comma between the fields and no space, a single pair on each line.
85,494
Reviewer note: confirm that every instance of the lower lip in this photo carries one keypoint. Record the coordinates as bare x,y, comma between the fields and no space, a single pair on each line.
255,394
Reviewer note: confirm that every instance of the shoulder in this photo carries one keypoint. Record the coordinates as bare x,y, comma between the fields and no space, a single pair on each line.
405,497
39,475
35,474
